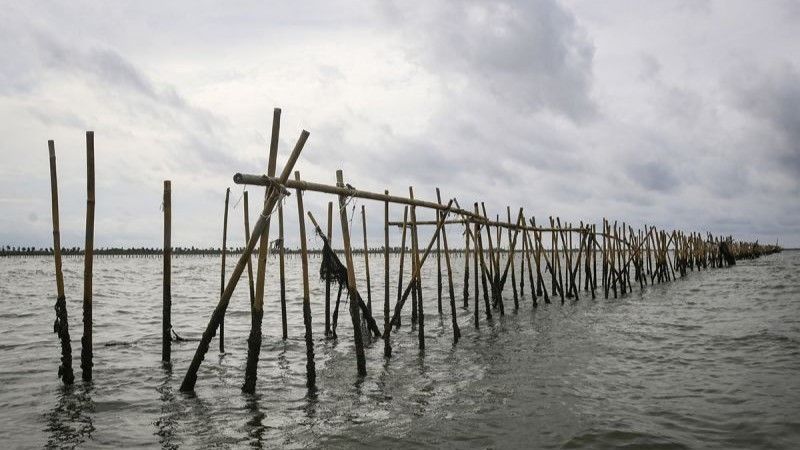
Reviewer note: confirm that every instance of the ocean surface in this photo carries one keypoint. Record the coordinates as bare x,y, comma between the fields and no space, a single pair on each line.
708,361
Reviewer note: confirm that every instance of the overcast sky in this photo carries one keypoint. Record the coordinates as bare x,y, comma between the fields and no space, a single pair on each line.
680,114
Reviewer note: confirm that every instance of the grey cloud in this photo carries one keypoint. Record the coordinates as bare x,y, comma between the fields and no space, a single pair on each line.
653,176
529,54
774,98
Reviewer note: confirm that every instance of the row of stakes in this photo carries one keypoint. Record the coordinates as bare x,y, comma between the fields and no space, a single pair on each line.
569,255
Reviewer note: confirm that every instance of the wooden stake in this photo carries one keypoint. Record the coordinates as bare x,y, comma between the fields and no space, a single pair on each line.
443,234
361,362
260,235
511,258
438,263
475,238
61,324
417,269
246,240
282,272
387,346
402,259
466,266
166,307
86,340
328,331
222,275
311,373
366,259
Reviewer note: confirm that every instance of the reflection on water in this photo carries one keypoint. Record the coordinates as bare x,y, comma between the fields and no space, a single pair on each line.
69,422
255,425
712,360
170,410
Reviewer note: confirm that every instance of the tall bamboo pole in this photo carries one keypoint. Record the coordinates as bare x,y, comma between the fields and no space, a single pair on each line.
387,347
311,373
466,266
262,237
222,275
246,240
417,269
328,332
438,264
366,259
475,237
511,258
86,340
361,362
282,273
61,324
451,291
402,260
166,307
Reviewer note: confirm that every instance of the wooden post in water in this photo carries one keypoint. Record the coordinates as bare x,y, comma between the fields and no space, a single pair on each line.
86,340
311,372
361,361
402,260
387,346
282,271
475,237
61,324
466,265
246,240
328,332
260,235
166,307
366,259
443,234
222,275
522,262
417,269
511,258
438,263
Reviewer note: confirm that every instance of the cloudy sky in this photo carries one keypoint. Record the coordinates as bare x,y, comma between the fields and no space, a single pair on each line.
679,114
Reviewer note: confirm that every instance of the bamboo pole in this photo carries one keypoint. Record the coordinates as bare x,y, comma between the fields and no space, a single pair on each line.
511,259
456,330
402,260
86,340
61,324
366,259
260,235
438,262
222,275
190,379
265,180
475,239
250,284
361,362
418,270
526,240
387,346
328,331
166,306
522,257
466,266
282,273
415,274
311,373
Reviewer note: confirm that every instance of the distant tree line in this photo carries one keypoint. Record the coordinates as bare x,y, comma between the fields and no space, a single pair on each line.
9,250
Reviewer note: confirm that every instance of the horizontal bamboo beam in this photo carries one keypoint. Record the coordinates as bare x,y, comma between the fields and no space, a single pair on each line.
263,180
470,217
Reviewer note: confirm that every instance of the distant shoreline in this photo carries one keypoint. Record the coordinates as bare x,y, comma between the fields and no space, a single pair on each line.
182,251
191,251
